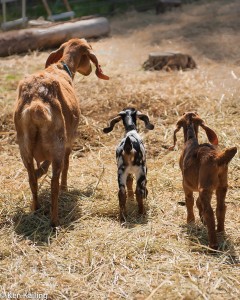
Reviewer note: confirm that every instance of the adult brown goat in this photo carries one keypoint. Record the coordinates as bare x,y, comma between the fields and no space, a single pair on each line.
204,169
47,115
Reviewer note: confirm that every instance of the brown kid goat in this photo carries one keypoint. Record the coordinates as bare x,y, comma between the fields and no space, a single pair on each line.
204,169
47,115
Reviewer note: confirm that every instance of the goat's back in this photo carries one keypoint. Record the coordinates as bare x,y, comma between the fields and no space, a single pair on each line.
204,165
46,111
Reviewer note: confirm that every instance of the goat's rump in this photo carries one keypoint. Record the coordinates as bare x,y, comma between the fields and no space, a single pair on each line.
133,147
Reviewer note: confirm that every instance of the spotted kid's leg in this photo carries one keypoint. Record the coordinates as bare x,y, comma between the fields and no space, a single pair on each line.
122,196
141,190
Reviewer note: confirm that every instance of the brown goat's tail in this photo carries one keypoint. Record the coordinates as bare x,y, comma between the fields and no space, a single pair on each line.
226,156
38,112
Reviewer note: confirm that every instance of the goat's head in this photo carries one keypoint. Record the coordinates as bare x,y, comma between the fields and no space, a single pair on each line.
77,54
192,120
129,117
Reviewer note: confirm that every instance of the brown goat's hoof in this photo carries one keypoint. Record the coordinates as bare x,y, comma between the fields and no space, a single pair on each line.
34,207
122,219
55,223
213,246
131,195
191,220
142,212
63,188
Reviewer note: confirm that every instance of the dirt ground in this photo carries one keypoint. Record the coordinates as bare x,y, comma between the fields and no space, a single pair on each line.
156,257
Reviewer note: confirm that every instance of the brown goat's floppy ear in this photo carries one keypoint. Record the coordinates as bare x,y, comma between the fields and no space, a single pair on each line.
99,71
212,137
178,127
54,57
112,124
145,119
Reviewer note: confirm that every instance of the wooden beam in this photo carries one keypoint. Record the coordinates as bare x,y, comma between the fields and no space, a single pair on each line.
43,38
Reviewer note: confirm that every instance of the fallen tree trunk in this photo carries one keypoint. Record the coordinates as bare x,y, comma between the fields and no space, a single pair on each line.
19,41
169,61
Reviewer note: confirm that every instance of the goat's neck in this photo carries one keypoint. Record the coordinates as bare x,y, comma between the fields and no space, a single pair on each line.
131,132
130,128
129,123
71,63
190,134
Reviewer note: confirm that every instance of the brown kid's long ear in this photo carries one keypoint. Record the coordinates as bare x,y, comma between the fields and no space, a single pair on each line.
212,137
178,127
145,119
99,71
112,124
54,57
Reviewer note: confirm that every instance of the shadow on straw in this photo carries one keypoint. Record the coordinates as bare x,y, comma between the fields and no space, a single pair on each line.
36,226
132,220
197,234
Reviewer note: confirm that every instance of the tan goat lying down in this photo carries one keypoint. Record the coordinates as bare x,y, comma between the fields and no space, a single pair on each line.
47,115
204,169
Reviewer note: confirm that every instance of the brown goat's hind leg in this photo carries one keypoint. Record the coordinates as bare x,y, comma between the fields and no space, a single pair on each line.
205,196
130,186
33,184
65,170
189,204
200,209
221,207
56,171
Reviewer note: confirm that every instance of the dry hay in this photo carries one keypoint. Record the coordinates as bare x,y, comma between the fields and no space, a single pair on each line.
156,257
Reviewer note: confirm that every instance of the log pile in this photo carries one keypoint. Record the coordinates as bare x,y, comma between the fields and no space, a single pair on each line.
169,61
163,5
19,41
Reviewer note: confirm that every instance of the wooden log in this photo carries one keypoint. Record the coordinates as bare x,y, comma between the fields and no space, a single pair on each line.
169,61
163,5
20,41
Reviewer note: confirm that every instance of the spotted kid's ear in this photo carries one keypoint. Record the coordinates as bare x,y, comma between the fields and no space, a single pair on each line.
145,119
112,124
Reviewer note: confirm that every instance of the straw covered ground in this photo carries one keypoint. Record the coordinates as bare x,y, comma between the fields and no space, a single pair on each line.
156,257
